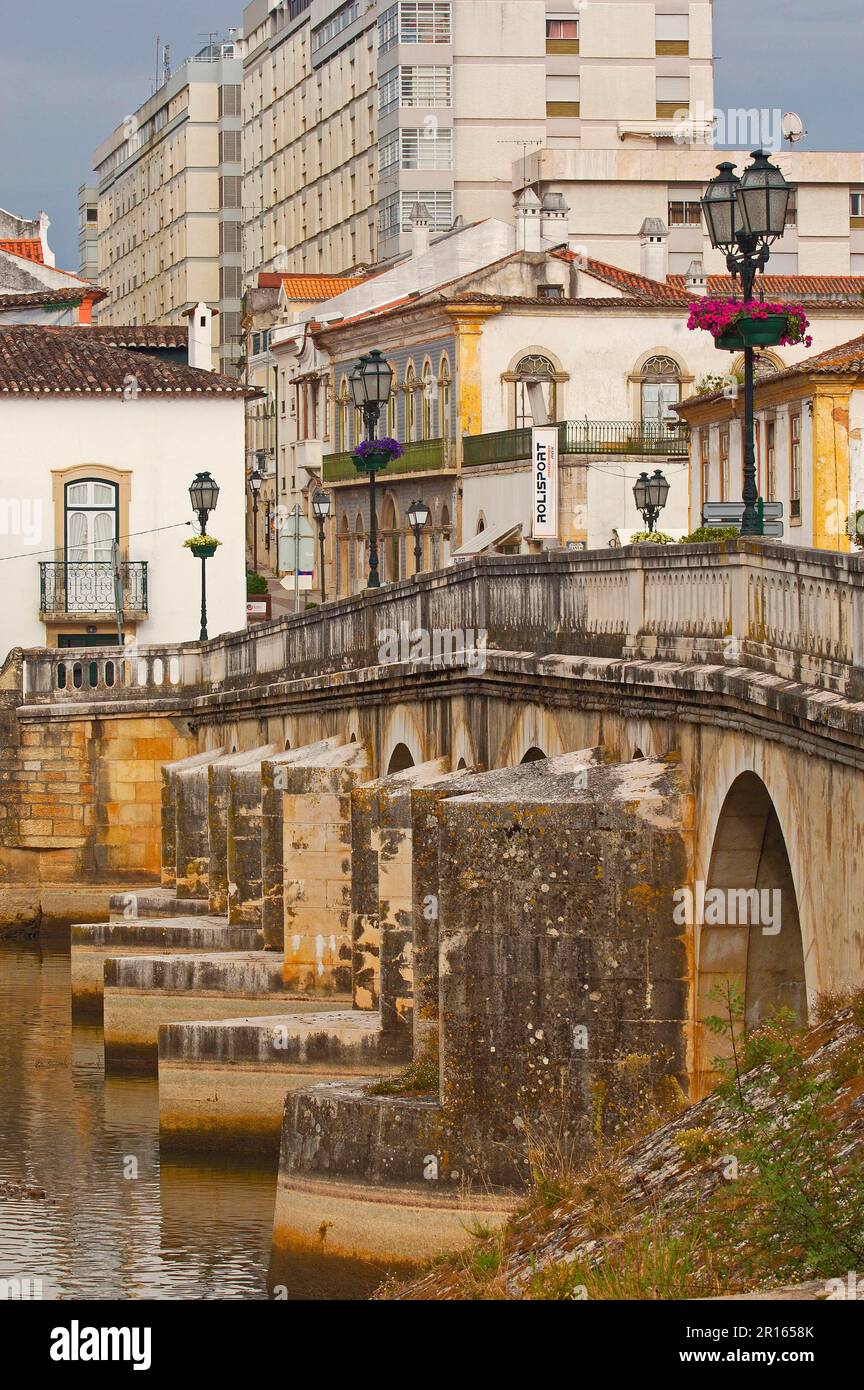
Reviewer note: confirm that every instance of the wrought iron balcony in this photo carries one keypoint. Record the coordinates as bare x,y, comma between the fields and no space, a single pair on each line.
80,588
422,456
580,437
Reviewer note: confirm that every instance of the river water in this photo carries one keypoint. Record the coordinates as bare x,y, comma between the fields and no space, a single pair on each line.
117,1222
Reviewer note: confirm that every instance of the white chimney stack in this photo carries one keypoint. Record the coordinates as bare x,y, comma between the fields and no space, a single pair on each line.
654,258
201,337
529,222
421,230
696,281
555,218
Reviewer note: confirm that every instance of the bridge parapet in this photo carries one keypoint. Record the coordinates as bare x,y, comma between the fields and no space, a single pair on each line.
796,613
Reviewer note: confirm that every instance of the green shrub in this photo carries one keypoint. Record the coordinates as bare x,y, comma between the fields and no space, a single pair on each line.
255,583
711,533
651,538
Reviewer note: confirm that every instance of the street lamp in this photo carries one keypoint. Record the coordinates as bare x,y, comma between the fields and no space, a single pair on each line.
651,495
745,217
204,494
418,517
371,383
256,478
321,511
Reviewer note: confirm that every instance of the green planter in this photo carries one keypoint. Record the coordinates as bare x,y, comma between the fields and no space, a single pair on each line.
202,552
371,463
765,332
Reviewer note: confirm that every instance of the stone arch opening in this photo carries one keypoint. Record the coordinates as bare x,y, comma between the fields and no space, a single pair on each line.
637,754
461,766
400,759
749,925
534,755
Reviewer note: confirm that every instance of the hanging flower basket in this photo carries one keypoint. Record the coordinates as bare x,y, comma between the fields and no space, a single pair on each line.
202,547
374,455
735,324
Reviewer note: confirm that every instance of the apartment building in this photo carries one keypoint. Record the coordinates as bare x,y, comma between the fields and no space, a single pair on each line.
168,195
355,110
88,231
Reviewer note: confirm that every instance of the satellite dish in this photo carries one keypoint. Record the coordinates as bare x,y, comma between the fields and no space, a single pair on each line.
793,127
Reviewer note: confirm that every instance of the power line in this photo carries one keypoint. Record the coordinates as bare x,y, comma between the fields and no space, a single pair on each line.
32,554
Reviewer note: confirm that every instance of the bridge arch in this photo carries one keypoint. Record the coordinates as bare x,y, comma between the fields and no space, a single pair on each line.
533,729
400,759
747,920
401,733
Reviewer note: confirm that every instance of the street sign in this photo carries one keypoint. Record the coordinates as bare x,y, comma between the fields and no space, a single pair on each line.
732,514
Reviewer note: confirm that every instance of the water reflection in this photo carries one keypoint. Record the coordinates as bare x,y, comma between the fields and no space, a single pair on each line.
115,1223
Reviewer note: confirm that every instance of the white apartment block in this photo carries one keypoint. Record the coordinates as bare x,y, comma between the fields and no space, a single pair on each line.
168,196
354,110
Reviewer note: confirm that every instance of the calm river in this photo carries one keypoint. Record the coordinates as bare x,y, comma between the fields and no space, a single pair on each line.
116,1222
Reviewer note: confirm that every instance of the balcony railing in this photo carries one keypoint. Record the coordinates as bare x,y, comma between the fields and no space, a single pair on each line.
70,587
423,456
580,437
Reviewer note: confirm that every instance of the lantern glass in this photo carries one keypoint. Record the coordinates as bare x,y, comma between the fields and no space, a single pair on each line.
640,492
255,480
658,491
418,515
371,381
720,206
204,493
763,198
321,505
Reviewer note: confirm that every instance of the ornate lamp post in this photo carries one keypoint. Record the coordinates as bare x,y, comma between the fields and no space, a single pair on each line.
256,478
204,494
651,495
745,217
321,511
371,383
418,517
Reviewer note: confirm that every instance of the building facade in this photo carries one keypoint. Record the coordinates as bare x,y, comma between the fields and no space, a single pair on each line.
353,112
79,473
168,192
809,425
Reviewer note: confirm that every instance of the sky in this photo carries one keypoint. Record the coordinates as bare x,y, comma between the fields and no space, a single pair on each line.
66,81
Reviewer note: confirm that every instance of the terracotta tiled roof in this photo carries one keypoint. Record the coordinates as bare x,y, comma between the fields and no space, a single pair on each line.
846,359
29,248
171,336
32,299
801,288
43,361
309,288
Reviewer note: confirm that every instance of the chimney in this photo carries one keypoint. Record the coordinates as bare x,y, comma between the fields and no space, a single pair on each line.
554,219
201,337
47,254
696,281
654,259
421,229
529,229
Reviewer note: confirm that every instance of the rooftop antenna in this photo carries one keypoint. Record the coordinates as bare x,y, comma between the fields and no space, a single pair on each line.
210,36
166,62
525,146
158,54
793,127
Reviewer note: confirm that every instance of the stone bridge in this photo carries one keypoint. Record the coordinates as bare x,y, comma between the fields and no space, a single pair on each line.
519,818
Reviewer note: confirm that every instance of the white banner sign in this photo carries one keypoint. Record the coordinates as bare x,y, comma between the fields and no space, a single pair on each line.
544,486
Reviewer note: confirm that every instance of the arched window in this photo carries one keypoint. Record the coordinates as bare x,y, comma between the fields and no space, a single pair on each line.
344,414
430,398
390,542
445,536
359,555
534,380
393,409
91,520
410,403
344,578
661,389
444,383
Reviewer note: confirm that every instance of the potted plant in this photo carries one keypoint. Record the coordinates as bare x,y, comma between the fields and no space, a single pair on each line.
374,455
736,324
202,547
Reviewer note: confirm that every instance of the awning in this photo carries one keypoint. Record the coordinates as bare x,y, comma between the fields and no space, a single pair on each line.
491,536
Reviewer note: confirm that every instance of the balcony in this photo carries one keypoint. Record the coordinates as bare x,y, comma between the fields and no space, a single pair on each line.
85,588
423,456
580,437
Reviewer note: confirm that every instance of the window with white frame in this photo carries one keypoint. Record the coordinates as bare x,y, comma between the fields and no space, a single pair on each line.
425,85
562,28
388,215
856,202
439,204
673,29
388,29
427,147
388,91
673,91
795,469
425,21
389,152
333,27
562,91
